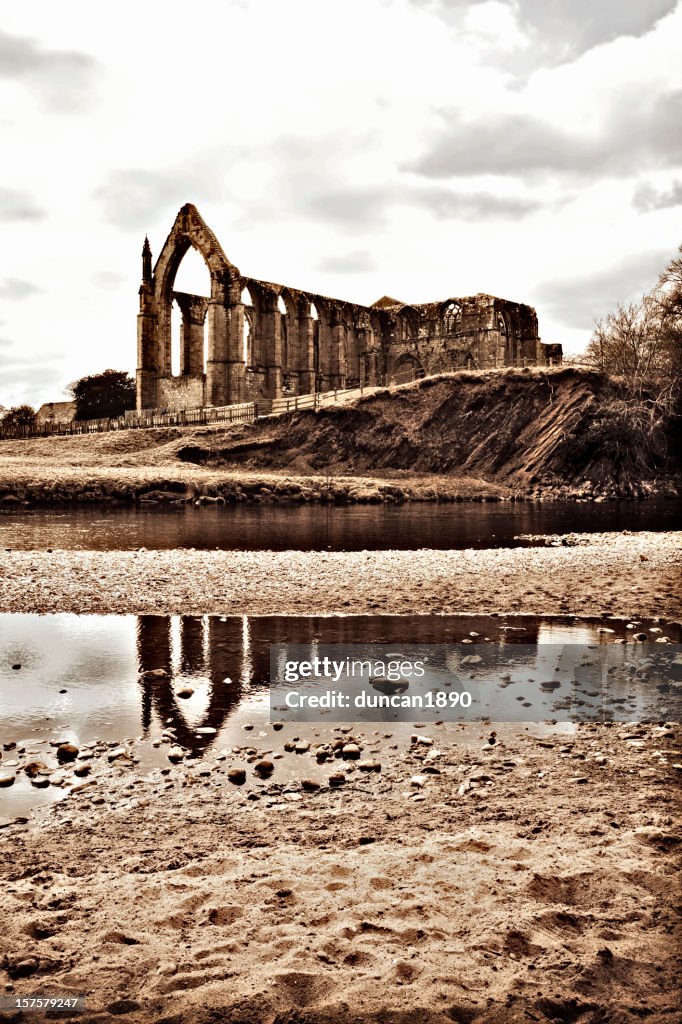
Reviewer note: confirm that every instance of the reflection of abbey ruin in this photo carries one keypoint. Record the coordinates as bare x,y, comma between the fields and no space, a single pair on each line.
230,654
267,341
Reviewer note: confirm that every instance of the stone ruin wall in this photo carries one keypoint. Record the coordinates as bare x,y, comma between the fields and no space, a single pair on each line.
256,340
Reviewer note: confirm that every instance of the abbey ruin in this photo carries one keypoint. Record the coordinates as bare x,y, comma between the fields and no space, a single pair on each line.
257,340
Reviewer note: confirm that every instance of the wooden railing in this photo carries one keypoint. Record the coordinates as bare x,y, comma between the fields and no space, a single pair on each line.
316,401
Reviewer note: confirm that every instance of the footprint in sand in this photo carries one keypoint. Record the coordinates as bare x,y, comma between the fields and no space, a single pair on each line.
223,917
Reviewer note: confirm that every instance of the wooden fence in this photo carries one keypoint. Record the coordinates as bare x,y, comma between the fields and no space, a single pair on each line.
246,412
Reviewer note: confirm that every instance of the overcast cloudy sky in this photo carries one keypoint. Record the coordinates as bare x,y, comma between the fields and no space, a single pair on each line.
420,148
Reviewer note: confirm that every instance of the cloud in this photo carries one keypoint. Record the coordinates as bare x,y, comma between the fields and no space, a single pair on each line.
107,279
559,30
134,199
14,288
62,79
23,379
647,198
350,206
570,29
579,301
358,262
6,343
639,131
17,204
474,206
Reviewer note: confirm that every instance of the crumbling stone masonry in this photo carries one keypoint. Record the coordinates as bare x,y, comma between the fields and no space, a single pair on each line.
267,340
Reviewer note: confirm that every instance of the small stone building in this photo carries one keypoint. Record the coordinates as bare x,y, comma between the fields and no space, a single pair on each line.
254,339
56,412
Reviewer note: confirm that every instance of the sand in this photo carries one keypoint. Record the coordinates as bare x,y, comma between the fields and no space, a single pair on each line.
531,879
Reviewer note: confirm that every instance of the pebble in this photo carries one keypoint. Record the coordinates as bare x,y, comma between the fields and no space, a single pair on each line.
351,751
184,692
67,752
237,776
302,747
368,765
264,767
206,730
6,780
418,781
176,754
310,785
113,755
337,779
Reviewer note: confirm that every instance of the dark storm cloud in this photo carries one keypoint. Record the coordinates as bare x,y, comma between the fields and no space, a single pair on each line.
359,262
647,198
63,79
561,30
579,301
135,199
15,289
638,132
17,204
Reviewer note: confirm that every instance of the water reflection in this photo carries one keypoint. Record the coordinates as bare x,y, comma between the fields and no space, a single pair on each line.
116,677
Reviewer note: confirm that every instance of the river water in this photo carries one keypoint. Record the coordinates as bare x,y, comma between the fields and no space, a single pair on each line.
322,527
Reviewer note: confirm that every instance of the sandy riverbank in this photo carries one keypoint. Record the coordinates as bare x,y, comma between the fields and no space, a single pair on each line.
622,574
527,880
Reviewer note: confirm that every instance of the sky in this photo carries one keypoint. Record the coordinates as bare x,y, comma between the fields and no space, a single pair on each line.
422,149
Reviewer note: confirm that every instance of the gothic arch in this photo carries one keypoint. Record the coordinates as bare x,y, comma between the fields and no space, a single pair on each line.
405,369
451,316
188,230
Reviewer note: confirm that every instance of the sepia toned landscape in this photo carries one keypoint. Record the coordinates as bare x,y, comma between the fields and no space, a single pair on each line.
340,505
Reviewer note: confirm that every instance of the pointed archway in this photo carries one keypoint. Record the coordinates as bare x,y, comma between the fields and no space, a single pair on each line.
224,370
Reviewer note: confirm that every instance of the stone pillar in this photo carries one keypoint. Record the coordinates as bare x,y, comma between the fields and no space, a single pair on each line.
338,367
271,343
306,350
193,308
147,355
216,391
236,367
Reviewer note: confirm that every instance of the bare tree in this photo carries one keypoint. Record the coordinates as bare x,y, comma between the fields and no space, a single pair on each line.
641,342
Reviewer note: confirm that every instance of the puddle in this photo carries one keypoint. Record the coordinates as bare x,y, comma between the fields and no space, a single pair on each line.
110,679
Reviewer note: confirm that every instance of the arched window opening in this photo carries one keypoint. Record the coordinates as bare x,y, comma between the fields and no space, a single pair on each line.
316,343
176,339
283,330
452,318
247,347
188,328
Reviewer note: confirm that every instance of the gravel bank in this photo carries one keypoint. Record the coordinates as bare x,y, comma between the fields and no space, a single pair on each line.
622,574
